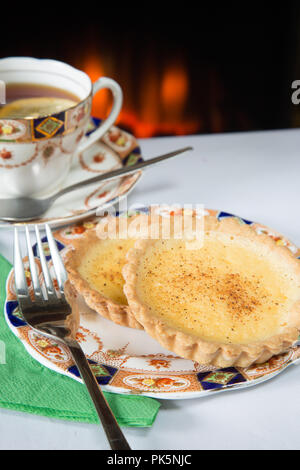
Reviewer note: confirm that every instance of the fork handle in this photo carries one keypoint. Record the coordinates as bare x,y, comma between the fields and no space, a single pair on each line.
113,432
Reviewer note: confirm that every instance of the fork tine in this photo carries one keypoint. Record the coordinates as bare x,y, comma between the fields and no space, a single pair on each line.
20,278
47,278
60,271
34,274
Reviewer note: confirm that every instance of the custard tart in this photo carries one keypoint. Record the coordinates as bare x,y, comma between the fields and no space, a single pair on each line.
234,301
94,268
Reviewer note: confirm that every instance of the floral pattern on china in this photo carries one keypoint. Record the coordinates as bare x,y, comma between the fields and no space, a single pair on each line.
11,130
126,360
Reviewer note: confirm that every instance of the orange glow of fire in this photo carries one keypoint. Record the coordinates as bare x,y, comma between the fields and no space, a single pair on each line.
174,91
150,129
162,101
94,69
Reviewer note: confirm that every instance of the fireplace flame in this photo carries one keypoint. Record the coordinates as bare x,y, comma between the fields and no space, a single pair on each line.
159,105
174,91
94,69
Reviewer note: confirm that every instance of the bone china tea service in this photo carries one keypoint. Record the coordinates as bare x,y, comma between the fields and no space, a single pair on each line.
43,122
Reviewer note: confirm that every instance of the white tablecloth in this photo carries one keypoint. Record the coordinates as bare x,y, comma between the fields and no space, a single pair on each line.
254,175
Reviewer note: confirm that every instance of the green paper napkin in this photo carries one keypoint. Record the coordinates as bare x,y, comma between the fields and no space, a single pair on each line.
26,385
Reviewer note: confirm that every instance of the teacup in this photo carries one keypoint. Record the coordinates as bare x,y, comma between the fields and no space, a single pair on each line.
36,153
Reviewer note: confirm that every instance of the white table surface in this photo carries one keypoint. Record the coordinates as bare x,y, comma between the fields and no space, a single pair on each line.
254,175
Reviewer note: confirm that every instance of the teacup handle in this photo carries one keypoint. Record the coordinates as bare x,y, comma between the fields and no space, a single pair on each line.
116,90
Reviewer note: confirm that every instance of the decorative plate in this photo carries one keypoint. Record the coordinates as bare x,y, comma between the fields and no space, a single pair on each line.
117,148
125,360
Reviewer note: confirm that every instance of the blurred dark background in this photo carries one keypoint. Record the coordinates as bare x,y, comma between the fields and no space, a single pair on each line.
183,71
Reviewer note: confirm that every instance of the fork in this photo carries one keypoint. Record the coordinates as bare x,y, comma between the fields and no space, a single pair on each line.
48,312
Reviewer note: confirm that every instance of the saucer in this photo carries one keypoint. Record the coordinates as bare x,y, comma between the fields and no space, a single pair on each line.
115,149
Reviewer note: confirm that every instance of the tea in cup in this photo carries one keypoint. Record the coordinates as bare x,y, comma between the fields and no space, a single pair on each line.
33,100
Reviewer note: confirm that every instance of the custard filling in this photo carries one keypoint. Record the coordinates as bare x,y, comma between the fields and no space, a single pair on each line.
101,266
231,290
